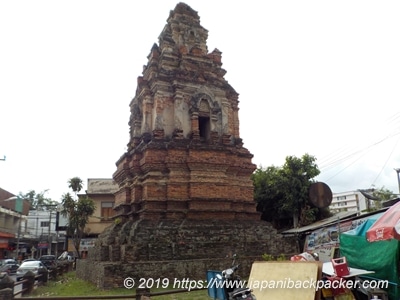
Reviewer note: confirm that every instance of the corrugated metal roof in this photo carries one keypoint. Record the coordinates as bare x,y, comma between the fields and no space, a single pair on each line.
339,216
5,194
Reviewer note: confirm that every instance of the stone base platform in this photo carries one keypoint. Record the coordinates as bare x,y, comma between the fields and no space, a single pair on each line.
178,249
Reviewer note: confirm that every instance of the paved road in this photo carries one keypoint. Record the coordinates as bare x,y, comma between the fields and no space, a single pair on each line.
18,287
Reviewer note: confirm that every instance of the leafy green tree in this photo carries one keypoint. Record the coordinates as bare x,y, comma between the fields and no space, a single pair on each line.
38,201
382,194
77,210
282,195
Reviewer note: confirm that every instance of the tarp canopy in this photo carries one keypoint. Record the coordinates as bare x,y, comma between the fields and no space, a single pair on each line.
362,229
381,257
387,226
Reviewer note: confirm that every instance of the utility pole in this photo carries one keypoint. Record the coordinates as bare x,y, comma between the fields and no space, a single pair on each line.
49,209
50,240
398,178
19,236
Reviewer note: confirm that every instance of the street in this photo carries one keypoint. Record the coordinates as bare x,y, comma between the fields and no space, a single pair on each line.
16,288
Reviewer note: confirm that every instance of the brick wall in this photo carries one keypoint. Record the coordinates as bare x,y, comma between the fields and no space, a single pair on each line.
178,249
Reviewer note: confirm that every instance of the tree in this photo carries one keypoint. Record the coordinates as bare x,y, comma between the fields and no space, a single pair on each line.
75,184
383,194
77,210
281,193
38,201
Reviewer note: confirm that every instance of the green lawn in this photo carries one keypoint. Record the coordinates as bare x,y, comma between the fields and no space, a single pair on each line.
69,285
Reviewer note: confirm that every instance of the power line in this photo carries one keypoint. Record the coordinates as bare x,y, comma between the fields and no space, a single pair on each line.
342,155
346,167
395,146
343,159
336,158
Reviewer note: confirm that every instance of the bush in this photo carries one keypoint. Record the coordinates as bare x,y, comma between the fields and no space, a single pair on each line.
269,257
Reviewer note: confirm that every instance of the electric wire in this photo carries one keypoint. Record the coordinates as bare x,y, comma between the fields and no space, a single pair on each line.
340,156
338,161
343,155
383,167
346,167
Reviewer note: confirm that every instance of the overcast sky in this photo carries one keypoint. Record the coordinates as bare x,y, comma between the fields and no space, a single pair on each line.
316,77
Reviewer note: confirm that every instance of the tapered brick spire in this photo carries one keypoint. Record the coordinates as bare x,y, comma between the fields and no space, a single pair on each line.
185,196
185,156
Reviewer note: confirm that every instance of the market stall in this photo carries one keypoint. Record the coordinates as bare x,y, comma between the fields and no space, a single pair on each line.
380,256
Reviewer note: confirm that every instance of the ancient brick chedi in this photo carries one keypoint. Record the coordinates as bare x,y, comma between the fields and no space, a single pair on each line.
185,194
185,159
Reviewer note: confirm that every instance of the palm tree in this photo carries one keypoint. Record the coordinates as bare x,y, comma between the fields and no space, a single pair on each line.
77,211
75,184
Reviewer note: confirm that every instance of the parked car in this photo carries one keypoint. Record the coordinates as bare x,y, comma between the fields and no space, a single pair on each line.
29,259
35,266
50,261
8,269
8,266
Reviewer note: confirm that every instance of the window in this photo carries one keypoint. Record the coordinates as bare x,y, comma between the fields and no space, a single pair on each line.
204,119
107,209
44,224
204,127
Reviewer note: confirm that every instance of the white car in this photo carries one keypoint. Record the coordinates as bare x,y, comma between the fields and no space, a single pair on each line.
34,266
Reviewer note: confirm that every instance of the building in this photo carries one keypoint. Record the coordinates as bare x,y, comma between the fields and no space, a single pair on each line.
10,221
43,233
349,201
185,194
101,191
33,232
13,224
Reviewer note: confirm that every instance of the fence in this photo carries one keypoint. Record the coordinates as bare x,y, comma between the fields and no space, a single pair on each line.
9,289
140,295
29,281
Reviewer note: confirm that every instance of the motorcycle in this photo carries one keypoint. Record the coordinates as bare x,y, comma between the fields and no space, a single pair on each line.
232,284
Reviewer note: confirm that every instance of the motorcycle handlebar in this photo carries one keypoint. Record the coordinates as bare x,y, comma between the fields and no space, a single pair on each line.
228,272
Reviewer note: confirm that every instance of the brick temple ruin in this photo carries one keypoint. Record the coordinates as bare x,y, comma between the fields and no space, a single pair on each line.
185,199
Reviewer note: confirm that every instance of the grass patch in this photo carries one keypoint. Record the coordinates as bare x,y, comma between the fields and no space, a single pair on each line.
69,285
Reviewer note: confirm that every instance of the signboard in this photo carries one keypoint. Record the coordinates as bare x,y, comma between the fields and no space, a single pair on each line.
71,247
325,241
86,244
43,245
285,280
